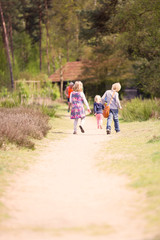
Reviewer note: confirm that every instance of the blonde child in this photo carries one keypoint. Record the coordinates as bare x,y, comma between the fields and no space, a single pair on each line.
77,101
114,106
98,111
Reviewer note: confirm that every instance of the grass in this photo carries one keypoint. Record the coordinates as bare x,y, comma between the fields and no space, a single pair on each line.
136,152
140,110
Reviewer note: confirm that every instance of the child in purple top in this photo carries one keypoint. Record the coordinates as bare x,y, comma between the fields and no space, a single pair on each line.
98,111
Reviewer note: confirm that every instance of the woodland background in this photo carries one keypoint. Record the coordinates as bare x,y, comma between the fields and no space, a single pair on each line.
119,38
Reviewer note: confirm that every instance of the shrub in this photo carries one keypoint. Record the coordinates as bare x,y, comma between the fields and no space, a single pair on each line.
4,92
55,92
141,110
20,124
9,103
48,110
48,90
23,92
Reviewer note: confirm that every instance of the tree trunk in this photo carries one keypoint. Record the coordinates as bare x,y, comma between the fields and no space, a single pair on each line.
47,37
7,46
40,35
61,76
67,43
77,36
11,38
54,65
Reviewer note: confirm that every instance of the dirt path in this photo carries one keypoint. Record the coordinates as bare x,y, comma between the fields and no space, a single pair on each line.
65,197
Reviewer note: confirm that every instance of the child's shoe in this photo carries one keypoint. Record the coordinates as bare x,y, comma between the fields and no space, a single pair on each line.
82,130
74,132
108,131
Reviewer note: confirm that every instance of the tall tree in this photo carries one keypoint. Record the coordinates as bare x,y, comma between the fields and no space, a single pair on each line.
7,45
47,36
40,33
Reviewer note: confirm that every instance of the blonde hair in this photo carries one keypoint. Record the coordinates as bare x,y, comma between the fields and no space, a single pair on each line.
78,86
97,98
116,87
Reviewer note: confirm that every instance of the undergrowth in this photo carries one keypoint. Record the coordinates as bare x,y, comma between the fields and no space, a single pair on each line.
22,124
140,110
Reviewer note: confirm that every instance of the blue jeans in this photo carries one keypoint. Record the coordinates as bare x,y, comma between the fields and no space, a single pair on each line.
113,114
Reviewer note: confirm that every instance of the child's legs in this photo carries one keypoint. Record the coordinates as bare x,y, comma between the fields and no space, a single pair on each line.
99,119
109,120
116,120
75,124
82,121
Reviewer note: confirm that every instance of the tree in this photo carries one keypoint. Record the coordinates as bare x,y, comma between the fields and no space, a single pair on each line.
127,31
7,45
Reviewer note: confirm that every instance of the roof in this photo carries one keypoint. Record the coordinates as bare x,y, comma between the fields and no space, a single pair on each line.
72,71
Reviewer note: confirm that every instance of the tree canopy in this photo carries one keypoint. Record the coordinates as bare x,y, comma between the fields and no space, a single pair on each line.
119,38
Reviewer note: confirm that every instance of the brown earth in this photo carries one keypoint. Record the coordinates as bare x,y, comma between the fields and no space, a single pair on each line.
64,195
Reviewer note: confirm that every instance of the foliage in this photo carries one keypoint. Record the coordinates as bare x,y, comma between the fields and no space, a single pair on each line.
3,63
18,125
140,110
120,39
48,110
38,31
50,90
4,92
9,103
125,43
23,92
55,92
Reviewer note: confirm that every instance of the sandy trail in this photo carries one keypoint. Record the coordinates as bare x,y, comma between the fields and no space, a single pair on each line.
64,196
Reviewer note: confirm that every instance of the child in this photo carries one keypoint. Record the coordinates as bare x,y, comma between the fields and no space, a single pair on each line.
114,105
77,101
67,92
98,110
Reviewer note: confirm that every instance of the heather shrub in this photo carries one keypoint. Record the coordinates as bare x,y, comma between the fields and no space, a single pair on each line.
141,110
20,125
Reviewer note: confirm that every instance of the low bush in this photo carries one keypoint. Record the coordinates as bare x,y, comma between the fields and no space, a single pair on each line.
9,103
55,92
141,110
20,125
48,110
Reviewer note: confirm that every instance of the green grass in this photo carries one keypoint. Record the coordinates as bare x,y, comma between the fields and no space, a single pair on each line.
140,110
135,152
